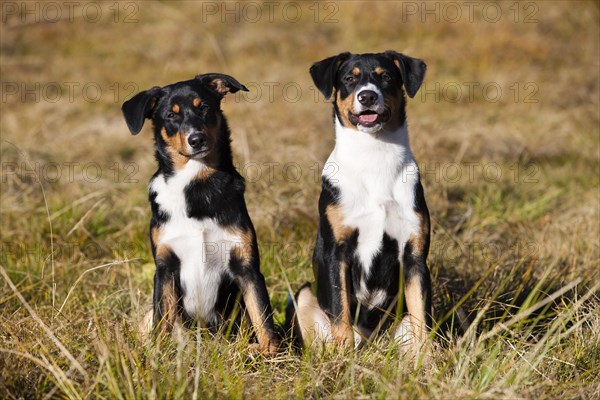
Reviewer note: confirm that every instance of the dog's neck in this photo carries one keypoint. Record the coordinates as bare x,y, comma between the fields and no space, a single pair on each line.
385,149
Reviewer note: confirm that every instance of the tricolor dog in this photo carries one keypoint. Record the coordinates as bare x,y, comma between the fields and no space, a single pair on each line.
373,236
203,240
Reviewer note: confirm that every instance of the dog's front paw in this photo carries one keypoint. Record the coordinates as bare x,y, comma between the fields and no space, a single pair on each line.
405,334
268,350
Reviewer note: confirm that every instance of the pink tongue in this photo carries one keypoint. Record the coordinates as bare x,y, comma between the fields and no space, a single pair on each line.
367,118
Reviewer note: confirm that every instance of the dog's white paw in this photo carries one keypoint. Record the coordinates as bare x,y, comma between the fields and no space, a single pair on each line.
405,334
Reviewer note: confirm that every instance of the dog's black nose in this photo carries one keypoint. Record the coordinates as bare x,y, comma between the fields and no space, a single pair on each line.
196,140
367,98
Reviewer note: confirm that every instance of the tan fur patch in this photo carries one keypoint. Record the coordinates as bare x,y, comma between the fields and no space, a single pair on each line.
267,343
175,108
379,70
196,102
336,220
417,241
341,328
176,146
417,244
162,251
415,303
345,106
155,235
314,325
205,173
242,249
355,71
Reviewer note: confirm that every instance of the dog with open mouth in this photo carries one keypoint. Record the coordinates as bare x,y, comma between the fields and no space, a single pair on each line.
370,257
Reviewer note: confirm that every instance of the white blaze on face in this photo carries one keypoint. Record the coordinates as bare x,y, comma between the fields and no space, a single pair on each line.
377,107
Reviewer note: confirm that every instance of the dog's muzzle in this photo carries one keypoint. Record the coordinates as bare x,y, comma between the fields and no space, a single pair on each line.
371,111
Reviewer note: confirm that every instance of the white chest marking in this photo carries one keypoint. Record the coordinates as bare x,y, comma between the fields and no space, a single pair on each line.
202,246
377,179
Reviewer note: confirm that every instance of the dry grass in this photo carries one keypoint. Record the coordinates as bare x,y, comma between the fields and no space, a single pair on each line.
514,257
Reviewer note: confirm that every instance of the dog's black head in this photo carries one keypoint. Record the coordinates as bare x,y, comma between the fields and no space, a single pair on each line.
369,88
187,118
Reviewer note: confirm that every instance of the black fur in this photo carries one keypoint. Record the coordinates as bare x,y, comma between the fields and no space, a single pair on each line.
329,73
178,109
394,74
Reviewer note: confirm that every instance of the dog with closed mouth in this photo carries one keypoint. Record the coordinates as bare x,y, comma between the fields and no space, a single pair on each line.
370,255
203,241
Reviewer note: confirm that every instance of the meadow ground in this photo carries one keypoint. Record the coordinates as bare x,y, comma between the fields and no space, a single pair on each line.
505,129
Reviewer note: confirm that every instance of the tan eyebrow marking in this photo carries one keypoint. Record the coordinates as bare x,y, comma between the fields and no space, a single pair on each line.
355,71
196,102
175,108
379,70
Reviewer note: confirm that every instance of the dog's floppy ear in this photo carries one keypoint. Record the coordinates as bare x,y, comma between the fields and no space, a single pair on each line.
411,69
221,83
140,107
324,72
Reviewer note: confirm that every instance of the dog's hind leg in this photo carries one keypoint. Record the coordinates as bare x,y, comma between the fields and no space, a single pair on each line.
310,323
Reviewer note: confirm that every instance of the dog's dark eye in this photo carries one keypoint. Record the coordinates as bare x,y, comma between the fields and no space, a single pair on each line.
350,79
171,115
386,77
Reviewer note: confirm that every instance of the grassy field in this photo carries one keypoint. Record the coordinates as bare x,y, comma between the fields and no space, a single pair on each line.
505,129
